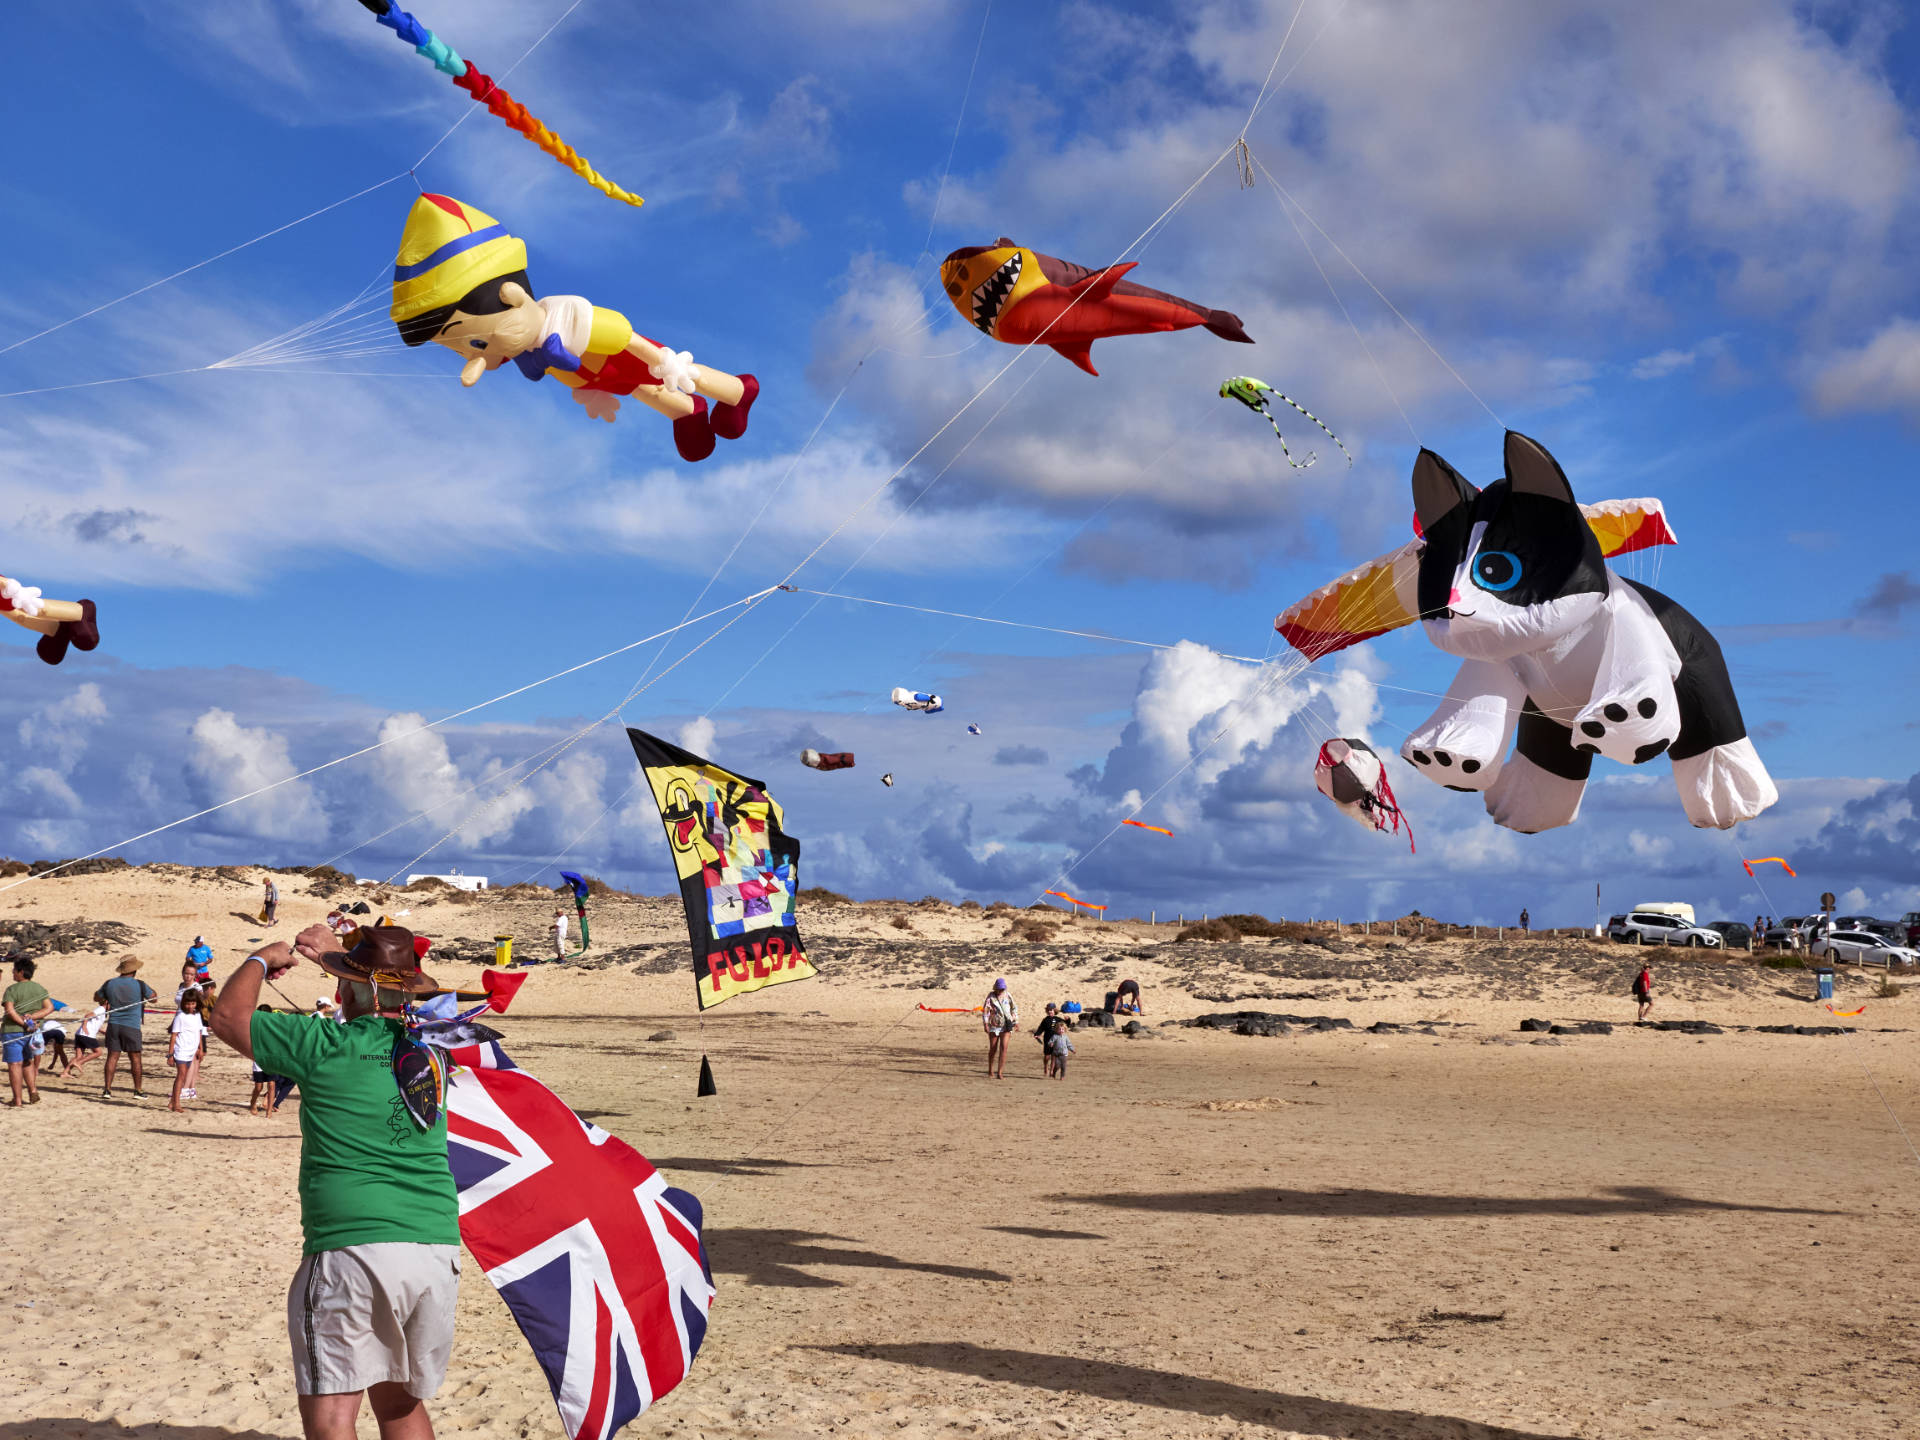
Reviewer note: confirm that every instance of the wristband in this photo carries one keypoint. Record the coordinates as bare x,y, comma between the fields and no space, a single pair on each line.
265,973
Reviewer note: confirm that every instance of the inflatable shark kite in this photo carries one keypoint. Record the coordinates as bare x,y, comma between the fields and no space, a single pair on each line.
1022,297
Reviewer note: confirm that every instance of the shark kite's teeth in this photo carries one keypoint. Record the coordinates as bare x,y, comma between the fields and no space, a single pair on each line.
992,293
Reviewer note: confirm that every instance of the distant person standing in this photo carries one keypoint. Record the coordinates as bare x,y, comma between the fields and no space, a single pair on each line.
1643,991
25,1004
998,1017
559,934
1525,920
200,956
126,997
270,910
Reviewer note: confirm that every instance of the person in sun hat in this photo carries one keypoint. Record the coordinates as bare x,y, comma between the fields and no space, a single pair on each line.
371,1308
126,997
460,280
998,1017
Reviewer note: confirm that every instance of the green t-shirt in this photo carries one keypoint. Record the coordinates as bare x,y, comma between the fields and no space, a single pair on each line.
367,1172
26,996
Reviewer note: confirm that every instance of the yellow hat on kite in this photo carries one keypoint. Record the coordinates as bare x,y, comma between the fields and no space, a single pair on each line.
446,250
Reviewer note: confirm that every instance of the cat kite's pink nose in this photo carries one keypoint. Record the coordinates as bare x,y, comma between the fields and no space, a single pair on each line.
1453,597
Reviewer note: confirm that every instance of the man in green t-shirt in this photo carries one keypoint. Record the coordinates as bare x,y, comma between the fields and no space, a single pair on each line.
371,1306
24,1005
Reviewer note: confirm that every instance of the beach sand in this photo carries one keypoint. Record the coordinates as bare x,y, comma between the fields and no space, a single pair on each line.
1195,1234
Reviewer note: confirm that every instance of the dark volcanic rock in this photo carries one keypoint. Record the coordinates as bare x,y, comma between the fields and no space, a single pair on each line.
1265,1022
1543,1026
32,939
1683,1027
1098,1019
1585,1027
1134,1030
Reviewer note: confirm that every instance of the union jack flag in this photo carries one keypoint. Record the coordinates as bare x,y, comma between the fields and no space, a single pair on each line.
599,1259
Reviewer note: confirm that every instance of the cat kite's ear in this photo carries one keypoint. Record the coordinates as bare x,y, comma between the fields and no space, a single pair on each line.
1437,489
1531,470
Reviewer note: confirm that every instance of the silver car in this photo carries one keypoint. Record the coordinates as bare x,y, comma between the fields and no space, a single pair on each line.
1861,947
1652,927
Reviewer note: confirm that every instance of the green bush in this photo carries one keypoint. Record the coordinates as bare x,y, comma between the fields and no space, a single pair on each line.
818,896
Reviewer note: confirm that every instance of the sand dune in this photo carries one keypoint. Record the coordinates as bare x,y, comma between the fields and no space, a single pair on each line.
1326,1234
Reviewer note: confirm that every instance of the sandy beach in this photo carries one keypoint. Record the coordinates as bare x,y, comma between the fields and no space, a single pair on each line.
1475,1231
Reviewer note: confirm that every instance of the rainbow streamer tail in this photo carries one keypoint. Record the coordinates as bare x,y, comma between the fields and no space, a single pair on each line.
468,77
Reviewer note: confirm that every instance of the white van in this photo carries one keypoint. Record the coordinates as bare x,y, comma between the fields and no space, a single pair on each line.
1679,909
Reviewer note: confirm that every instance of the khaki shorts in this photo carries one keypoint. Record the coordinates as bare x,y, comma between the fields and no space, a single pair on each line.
373,1314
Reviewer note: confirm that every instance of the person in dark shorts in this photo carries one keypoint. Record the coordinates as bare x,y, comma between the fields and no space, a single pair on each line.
270,906
126,997
1044,1032
1127,999
265,1086
1525,921
1643,991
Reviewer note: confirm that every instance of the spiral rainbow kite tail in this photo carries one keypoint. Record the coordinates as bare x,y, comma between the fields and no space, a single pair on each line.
481,87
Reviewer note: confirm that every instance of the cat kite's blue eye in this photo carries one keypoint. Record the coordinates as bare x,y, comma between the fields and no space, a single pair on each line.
1496,570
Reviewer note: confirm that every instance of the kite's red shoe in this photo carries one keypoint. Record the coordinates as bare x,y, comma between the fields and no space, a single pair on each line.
730,421
693,434
84,633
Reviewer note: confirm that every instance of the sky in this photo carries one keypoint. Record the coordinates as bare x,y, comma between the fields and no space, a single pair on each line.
1675,244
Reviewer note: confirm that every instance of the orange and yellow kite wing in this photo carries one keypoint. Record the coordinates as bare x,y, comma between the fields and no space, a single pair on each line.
1381,595
1768,860
1138,825
1071,901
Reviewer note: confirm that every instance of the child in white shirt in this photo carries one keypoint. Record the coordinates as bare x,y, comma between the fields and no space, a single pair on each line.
188,1041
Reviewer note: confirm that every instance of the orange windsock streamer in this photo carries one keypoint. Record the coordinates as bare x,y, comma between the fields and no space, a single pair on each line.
1769,860
1846,1014
1071,901
949,1009
1138,825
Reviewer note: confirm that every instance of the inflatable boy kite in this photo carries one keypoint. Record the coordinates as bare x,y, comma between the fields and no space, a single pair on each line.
460,280
58,623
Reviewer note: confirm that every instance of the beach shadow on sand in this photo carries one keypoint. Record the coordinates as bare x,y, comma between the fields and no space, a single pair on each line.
749,1166
57,1427
774,1257
178,1134
1397,1204
1037,1232
1169,1390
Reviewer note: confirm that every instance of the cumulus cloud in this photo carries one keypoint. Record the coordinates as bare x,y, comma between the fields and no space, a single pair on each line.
1881,374
697,735
231,759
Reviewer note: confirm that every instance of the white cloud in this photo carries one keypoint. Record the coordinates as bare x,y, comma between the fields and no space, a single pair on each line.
1882,374
697,735
232,759
1667,362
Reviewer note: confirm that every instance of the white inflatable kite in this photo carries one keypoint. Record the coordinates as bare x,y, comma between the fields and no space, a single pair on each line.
918,700
1563,659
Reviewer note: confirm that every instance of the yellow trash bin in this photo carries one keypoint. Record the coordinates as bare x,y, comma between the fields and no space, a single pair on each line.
503,951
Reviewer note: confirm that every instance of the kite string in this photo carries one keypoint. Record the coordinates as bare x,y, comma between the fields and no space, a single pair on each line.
953,146
747,601
1418,334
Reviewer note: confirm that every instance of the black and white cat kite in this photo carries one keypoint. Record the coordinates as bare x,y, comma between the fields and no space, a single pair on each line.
1563,659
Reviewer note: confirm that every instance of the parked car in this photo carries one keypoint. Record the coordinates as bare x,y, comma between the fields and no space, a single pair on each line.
1733,934
1862,947
1786,934
1645,927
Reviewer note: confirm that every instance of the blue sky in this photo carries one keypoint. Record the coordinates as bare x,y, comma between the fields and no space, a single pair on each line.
1675,247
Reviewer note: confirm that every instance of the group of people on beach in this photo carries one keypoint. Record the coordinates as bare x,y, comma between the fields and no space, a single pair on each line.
1000,1017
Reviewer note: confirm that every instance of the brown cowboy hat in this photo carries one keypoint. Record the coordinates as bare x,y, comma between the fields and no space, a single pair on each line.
381,955
128,966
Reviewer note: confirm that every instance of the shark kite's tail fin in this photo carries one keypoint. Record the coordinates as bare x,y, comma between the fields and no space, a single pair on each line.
1227,326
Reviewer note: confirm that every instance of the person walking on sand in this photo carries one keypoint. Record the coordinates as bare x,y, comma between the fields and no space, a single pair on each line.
371,1308
1524,920
998,1016
1044,1032
25,1004
1643,991
126,997
270,909
559,934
